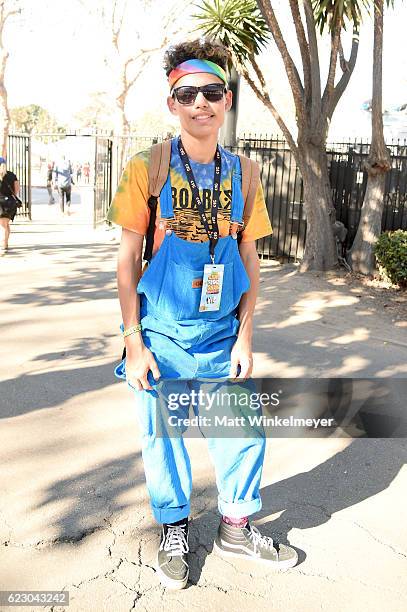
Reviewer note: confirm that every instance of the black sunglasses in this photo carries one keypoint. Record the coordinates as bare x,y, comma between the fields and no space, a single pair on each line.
188,93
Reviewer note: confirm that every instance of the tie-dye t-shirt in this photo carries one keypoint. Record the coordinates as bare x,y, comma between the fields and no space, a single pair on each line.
130,210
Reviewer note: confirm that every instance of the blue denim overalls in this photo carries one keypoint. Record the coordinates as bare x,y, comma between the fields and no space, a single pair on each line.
188,344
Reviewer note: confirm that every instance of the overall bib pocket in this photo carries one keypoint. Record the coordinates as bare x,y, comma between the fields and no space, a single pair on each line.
190,289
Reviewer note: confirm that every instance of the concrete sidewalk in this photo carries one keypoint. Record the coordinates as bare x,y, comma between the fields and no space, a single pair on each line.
74,512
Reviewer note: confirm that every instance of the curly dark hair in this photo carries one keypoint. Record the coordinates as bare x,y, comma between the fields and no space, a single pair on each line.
200,48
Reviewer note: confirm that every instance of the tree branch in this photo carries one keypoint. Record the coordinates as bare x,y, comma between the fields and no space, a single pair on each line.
330,81
122,17
259,73
265,99
291,69
11,13
314,56
131,82
344,80
304,50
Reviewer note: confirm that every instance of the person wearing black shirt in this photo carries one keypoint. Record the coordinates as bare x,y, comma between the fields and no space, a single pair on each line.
9,188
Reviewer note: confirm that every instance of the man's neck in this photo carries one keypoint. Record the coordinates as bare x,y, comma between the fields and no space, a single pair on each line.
200,150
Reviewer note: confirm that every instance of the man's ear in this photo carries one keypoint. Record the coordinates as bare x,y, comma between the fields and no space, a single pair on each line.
228,100
171,105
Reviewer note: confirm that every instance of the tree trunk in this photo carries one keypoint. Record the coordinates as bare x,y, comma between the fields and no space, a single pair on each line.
361,255
229,129
123,131
320,248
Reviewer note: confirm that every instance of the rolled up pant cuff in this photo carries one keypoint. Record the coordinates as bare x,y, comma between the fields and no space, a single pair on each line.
239,509
170,515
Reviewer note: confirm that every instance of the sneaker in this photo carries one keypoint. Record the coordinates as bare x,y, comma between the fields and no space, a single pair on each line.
172,565
248,543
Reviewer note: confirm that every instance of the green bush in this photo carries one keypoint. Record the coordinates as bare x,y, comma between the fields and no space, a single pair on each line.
391,254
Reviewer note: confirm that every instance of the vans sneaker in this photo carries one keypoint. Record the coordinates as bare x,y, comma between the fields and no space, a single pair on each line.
172,564
248,543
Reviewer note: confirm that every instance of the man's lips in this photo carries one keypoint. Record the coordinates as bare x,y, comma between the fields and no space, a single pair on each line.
202,117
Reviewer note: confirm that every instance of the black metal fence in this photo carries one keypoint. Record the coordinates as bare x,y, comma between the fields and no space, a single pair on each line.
280,176
19,162
284,194
103,178
127,146
283,189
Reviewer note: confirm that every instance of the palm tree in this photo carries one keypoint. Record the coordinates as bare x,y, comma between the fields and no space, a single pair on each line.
239,25
361,255
314,107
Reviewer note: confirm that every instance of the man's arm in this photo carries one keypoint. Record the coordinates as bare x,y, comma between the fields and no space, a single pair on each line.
16,187
242,350
139,359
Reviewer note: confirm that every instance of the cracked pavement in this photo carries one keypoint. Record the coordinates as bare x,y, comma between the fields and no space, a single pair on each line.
74,513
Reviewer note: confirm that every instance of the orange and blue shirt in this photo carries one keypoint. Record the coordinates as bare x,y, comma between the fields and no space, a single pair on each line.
130,210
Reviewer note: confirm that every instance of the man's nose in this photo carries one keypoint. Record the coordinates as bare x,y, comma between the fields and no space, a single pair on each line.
200,100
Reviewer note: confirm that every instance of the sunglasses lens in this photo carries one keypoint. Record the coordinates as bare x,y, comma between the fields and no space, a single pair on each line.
186,95
213,96
212,92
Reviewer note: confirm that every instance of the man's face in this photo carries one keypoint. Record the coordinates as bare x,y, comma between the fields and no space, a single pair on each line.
201,118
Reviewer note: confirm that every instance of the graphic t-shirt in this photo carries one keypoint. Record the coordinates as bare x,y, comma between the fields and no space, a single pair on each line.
130,210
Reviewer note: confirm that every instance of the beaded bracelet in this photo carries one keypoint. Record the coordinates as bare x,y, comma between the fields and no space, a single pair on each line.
132,330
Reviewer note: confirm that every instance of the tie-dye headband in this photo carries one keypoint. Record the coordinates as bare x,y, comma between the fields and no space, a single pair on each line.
193,66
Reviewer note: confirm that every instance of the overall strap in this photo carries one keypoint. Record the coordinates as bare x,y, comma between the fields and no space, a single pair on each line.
158,167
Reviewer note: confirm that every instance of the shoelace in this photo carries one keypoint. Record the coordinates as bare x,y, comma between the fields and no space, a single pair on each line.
261,541
175,541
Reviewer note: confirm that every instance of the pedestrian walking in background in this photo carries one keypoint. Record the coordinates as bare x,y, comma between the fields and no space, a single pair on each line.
86,173
62,174
50,169
9,202
78,173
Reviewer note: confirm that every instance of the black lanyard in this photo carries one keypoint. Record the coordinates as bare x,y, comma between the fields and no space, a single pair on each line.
212,232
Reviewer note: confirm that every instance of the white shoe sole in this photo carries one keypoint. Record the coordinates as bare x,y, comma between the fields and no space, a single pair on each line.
276,565
174,585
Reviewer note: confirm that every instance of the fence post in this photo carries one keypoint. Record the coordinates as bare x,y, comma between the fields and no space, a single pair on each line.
95,190
29,197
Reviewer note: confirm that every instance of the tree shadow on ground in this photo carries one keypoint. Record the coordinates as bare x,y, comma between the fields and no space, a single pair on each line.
91,497
314,328
309,499
49,389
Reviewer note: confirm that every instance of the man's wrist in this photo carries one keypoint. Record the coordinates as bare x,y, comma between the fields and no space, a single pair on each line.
246,330
134,342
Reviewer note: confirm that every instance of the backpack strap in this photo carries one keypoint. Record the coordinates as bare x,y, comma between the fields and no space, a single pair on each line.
158,167
160,155
250,181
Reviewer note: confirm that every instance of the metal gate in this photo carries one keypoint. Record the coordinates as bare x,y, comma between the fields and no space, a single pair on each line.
19,162
103,178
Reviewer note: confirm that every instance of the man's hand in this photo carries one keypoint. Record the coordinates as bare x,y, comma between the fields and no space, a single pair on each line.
241,355
139,361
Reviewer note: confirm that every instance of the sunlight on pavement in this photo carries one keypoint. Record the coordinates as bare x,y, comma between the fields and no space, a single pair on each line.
309,307
351,364
357,335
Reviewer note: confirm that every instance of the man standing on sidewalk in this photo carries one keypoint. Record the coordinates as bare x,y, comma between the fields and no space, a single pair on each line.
168,330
